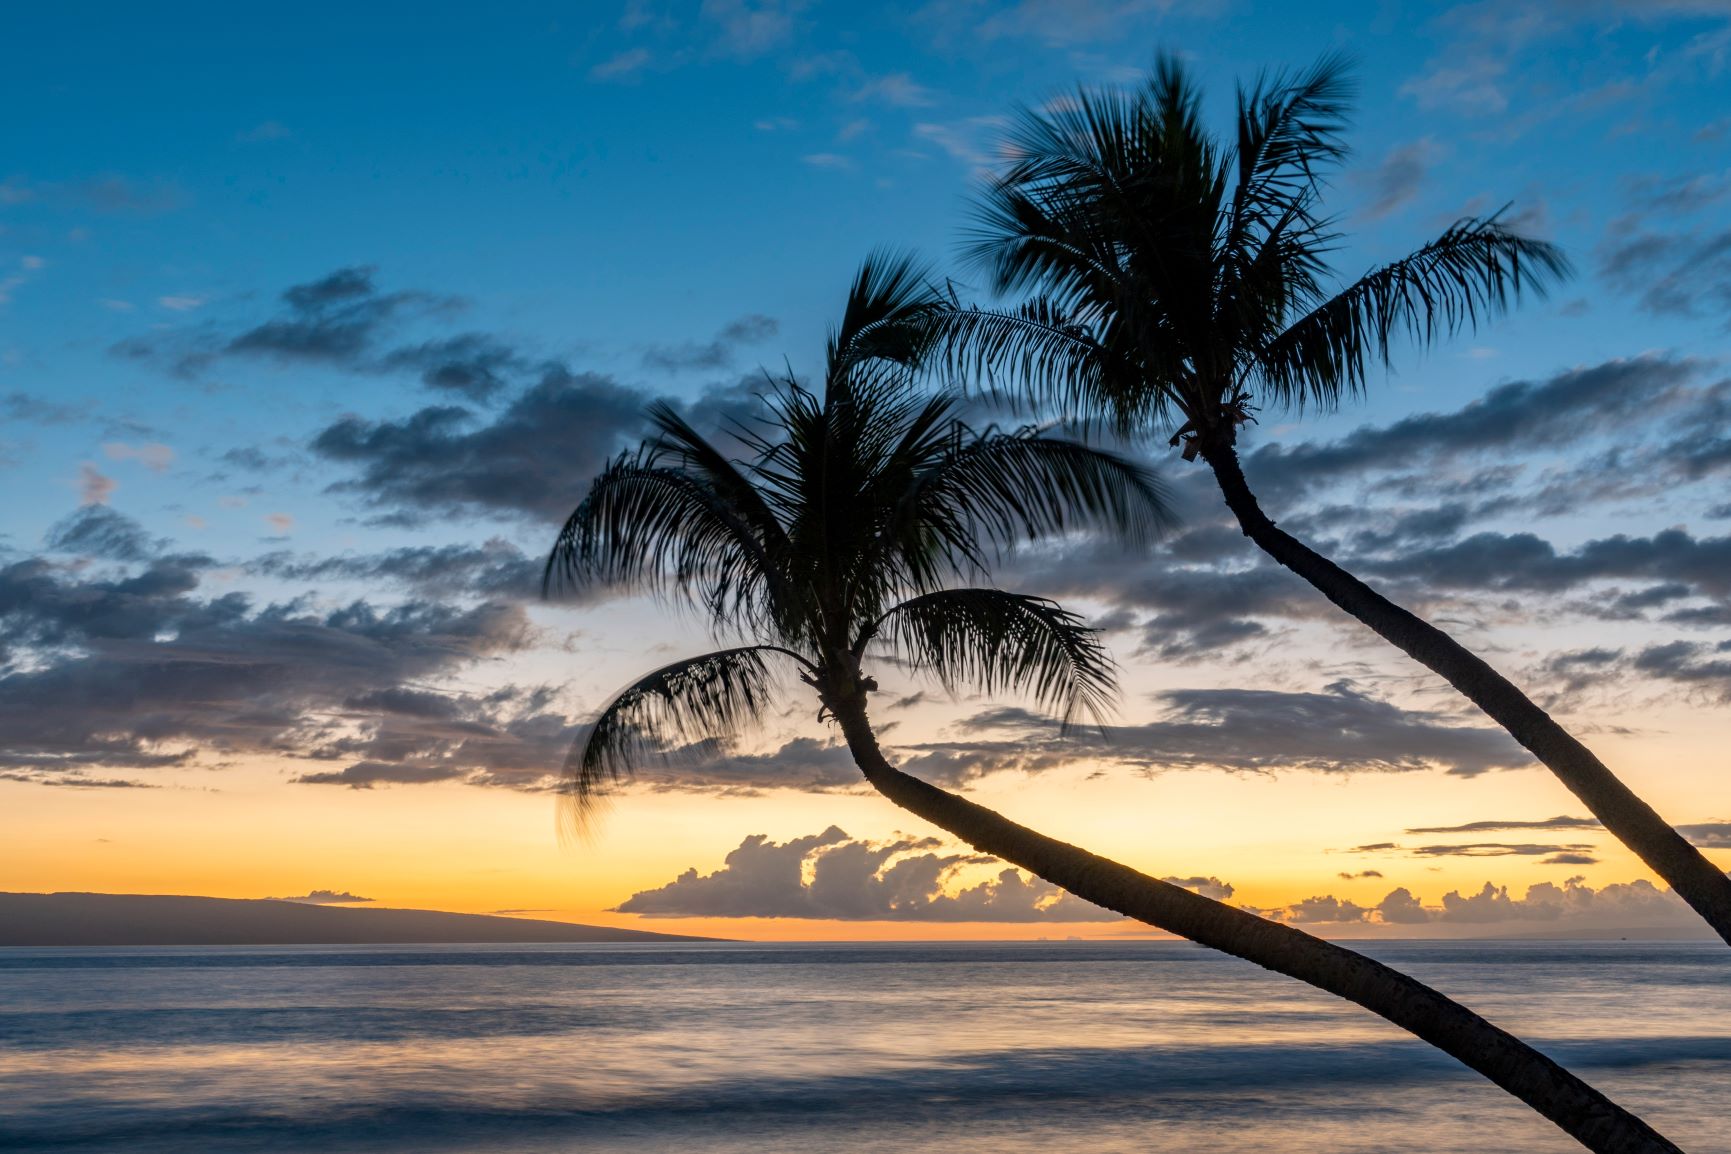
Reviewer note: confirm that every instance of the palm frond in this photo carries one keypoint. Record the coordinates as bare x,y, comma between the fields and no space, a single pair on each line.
883,319
996,641
694,702
656,528
1011,488
1033,355
1471,272
1289,129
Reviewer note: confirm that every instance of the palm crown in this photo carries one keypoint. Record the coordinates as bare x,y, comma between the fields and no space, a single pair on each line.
1174,278
851,525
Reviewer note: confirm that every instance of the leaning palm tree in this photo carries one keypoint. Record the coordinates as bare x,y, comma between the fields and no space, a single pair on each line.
1174,281
857,529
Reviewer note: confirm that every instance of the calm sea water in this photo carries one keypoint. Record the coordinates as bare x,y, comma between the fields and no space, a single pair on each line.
1050,1047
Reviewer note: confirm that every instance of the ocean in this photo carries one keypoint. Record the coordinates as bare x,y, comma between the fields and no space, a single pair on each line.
883,1048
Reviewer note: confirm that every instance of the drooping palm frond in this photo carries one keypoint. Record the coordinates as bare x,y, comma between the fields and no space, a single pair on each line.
997,641
660,529
694,702
1472,271
1005,489
1032,354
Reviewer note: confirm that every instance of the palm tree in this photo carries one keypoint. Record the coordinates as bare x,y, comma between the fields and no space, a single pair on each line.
1175,281
846,535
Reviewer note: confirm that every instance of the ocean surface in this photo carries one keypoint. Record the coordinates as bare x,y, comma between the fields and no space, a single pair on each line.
958,1048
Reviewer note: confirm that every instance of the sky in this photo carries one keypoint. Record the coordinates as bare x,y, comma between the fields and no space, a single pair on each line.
315,322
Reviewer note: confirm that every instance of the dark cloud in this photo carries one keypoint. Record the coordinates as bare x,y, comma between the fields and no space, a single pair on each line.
1521,416
326,898
343,321
1561,822
535,458
902,880
1708,834
1398,178
1338,731
1679,193
803,763
1688,662
1681,273
1680,564
134,668
1496,849
1359,875
475,365
99,531
496,568
716,353
72,779
339,321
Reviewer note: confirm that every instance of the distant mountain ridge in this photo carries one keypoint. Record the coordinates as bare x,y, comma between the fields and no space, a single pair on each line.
83,919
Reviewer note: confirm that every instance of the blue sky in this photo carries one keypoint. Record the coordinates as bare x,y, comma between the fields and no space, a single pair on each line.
509,227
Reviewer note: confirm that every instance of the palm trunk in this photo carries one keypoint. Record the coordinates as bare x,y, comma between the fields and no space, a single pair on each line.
1684,868
1579,1110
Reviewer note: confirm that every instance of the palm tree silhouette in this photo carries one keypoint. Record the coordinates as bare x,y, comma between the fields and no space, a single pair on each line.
838,540
1173,280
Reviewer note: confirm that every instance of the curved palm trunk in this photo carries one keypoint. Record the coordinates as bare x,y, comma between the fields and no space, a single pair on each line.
1625,815
1579,1110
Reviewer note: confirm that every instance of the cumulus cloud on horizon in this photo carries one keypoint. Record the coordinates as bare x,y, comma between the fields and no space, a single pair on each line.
833,876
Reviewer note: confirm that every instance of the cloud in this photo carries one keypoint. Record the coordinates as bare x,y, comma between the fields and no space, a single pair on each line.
1683,273
1055,22
536,458
94,486
1470,85
495,569
1521,416
326,898
263,131
1497,824
339,321
133,668
897,89
1326,909
716,353
1546,907
747,29
99,531
473,365
1496,849
621,66
153,455
1337,731
904,880
110,194
1208,887
1397,179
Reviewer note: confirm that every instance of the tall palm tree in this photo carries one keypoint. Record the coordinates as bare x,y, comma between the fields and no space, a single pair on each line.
1174,281
846,536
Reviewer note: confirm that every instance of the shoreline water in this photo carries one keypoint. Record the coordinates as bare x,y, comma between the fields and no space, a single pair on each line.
769,1047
